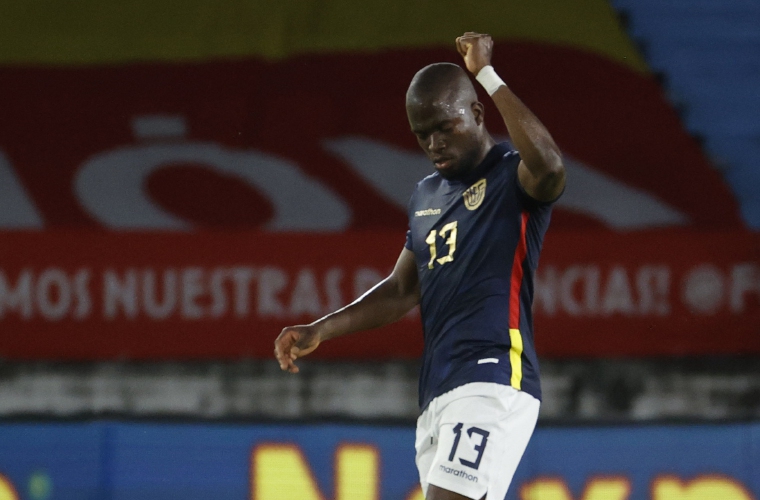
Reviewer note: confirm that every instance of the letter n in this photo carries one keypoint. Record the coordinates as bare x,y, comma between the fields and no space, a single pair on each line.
597,488
703,487
281,472
7,491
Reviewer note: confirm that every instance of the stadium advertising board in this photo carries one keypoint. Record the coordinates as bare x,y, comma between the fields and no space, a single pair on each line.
187,208
83,295
152,462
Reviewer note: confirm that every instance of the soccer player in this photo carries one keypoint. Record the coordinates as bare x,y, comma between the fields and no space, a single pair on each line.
476,227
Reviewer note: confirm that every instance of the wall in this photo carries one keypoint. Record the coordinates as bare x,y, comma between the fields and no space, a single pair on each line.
103,460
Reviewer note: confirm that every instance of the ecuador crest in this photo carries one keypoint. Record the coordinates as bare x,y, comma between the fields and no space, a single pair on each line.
474,195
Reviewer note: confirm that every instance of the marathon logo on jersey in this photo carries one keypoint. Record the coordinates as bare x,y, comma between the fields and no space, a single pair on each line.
429,211
459,473
474,195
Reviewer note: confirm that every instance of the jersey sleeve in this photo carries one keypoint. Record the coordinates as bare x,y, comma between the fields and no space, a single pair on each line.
527,201
410,214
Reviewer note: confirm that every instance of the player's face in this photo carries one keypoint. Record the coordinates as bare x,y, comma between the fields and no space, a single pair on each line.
449,133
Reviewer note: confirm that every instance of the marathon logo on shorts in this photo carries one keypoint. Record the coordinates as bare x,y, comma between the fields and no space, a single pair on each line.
459,473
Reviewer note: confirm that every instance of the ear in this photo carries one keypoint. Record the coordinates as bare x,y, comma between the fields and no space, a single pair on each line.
479,112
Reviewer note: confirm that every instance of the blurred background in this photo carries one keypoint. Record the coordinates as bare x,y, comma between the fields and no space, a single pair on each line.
181,180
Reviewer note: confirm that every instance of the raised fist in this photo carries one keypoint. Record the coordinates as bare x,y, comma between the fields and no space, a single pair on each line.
476,50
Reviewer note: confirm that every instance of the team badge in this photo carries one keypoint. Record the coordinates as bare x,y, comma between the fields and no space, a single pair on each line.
474,195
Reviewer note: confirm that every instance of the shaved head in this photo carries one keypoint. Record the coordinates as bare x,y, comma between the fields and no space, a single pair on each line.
445,115
444,82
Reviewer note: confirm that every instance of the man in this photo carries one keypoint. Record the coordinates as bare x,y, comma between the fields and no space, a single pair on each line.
475,232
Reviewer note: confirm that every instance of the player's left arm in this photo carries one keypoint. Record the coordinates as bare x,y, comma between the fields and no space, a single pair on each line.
541,171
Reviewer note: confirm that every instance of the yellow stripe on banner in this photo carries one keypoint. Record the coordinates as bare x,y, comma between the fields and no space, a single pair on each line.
98,32
515,357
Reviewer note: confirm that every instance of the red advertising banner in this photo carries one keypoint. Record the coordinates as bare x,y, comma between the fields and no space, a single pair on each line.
648,294
192,209
88,295
322,143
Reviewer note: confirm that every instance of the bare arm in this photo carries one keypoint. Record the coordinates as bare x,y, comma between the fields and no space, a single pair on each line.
541,171
386,302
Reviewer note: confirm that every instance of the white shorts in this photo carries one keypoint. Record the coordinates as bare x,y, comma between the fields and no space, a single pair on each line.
470,440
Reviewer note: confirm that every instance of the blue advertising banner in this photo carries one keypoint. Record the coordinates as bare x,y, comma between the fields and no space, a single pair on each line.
130,461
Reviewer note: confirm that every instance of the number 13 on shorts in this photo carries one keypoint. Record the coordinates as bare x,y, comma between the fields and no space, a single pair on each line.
471,439
472,433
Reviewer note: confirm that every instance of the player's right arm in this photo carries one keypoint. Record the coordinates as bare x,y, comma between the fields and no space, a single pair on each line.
386,302
541,171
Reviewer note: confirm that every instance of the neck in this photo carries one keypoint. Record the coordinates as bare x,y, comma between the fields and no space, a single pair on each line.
486,145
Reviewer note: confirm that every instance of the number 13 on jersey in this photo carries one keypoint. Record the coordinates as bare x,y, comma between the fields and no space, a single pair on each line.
449,229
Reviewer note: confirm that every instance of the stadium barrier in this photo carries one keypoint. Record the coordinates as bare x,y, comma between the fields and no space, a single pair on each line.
107,460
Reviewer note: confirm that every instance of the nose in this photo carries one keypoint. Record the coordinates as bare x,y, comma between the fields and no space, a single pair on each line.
435,142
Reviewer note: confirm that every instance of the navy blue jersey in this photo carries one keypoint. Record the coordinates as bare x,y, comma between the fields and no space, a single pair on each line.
476,242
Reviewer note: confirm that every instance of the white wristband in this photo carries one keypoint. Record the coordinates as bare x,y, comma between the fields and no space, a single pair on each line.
489,79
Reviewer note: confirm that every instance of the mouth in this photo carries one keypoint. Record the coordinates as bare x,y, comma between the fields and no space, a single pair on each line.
443,163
